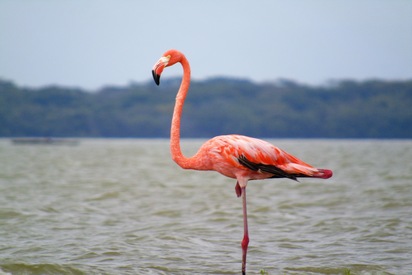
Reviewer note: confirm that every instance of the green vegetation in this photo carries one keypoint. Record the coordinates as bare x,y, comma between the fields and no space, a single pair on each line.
346,109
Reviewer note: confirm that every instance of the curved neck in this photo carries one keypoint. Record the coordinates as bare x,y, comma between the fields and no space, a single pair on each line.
175,149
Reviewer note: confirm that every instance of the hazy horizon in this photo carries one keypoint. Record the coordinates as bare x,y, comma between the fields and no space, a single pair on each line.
98,43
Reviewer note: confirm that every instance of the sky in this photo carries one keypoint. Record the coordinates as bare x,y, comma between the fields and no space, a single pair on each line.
94,43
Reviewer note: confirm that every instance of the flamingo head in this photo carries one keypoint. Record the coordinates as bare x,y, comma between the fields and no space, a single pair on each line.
169,58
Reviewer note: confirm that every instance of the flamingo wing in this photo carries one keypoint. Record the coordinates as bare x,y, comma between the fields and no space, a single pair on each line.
271,169
258,159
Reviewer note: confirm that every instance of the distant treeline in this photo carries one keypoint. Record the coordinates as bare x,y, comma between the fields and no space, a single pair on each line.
345,109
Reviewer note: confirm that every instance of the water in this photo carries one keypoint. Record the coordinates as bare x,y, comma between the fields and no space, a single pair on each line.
123,207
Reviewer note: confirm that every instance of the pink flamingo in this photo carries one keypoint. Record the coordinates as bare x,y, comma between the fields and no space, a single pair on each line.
235,156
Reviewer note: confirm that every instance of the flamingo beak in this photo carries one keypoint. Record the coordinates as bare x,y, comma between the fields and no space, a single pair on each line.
156,77
158,68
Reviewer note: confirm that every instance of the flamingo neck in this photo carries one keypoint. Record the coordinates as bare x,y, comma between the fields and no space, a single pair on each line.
175,148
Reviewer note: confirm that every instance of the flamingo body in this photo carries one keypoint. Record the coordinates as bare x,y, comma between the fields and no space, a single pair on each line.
240,157
246,158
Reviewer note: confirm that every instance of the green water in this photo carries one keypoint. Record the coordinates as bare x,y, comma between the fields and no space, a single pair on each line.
123,207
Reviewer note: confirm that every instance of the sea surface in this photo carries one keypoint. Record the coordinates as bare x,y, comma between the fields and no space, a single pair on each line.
122,206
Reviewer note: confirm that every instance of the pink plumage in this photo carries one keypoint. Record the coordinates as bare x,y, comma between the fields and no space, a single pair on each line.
240,157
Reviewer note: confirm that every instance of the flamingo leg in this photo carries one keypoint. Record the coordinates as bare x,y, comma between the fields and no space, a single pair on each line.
238,190
245,241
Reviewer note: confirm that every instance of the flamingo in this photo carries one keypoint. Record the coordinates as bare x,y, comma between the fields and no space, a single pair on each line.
235,156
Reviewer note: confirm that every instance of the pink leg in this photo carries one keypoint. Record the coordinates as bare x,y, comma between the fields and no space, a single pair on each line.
245,241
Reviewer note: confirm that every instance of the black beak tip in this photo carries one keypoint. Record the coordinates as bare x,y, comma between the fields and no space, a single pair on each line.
156,78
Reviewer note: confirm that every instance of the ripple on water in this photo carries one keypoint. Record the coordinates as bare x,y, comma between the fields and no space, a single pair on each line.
24,268
123,207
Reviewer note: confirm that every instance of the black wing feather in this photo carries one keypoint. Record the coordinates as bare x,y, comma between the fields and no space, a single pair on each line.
271,169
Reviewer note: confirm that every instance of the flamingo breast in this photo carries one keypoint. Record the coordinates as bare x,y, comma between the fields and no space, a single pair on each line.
224,153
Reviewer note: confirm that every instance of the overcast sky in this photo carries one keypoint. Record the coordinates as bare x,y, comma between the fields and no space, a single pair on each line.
93,43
